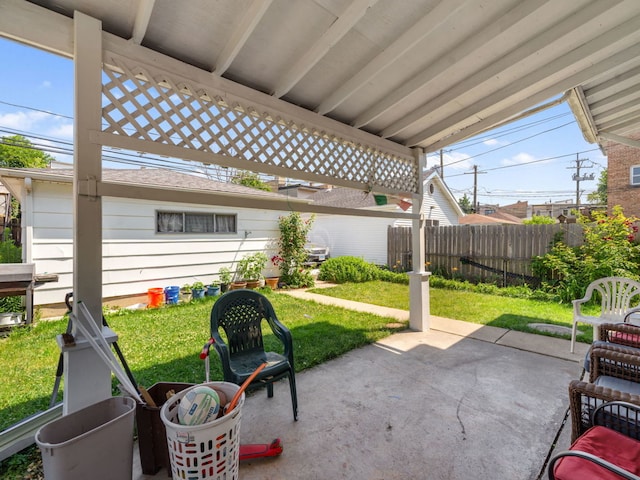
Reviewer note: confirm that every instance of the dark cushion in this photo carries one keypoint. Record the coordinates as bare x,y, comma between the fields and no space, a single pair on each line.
605,443
618,384
598,343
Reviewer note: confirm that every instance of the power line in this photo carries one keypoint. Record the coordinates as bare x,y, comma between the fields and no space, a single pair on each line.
36,110
530,162
509,145
503,133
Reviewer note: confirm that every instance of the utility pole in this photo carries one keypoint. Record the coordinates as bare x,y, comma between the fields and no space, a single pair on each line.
441,165
579,178
475,187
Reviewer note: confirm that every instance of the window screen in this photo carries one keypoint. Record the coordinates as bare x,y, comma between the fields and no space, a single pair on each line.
191,222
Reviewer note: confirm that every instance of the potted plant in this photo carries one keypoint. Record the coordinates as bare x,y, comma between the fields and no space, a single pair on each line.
213,289
197,290
185,293
225,278
250,268
272,280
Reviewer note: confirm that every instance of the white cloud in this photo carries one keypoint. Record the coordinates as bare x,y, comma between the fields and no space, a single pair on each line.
457,161
62,131
519,159
491,142
22,120
46,84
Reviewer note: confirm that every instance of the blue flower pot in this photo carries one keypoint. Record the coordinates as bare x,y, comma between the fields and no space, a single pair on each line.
197,293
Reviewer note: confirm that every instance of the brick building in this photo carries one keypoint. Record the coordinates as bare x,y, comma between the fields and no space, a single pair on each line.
623,182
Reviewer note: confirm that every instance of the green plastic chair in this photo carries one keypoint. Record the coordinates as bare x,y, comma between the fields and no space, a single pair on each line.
239,313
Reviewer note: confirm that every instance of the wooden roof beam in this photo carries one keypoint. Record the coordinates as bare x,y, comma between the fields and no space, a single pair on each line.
515,57
421,29
564,62
338,29
467,47
240,34
141,22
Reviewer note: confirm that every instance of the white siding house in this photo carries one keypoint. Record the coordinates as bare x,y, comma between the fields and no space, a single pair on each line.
366,237
136,256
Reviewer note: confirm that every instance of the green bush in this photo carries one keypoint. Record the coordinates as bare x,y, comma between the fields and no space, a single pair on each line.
9,253
436,281
393,277
292,254
609,249
348,269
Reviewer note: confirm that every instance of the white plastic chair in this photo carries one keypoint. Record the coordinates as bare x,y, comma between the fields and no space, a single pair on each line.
616,293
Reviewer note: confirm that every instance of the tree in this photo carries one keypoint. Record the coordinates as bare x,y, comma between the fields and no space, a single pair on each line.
465,204
539,220
599,196
18,152
250,179
609,250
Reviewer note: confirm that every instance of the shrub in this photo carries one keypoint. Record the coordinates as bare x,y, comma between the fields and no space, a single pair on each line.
9,253
348,269
393,277
609,249
292,254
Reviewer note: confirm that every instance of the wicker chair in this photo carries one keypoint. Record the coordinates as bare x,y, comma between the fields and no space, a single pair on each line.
616,295
240,313
610,448
627,334
614,376
620,334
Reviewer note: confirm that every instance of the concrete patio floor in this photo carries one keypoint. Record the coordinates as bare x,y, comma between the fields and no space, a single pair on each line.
460,401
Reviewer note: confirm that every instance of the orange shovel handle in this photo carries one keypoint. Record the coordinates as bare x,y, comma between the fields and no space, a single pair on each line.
243,387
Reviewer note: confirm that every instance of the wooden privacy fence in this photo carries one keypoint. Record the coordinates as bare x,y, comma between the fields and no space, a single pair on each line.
485,253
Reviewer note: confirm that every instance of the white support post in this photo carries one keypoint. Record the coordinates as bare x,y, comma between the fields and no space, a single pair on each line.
87,377
418,278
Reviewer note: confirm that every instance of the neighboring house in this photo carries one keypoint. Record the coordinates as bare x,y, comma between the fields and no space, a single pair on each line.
505,217
486,209
564,211
623,178
493,219
366,237
564,208
145,244
518,209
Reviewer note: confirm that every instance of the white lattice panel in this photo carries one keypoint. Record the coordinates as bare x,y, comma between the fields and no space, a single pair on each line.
155,106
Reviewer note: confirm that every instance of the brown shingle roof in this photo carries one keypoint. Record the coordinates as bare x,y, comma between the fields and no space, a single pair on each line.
156,177
344,198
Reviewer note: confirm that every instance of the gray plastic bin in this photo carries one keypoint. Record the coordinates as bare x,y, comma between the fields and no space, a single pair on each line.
93,443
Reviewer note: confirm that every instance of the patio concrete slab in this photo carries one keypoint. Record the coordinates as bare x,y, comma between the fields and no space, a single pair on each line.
416,405
460,401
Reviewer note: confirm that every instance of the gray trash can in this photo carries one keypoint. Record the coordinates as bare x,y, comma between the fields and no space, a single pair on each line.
93,443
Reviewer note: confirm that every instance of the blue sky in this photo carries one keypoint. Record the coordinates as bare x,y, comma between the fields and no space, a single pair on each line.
531,160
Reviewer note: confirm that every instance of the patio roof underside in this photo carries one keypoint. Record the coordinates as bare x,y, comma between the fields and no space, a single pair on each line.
340,91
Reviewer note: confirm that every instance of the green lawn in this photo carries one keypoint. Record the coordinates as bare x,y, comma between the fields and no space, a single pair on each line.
498,311
164,345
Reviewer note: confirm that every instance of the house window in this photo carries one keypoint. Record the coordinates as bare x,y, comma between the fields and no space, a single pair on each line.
191,222
432,188
635,175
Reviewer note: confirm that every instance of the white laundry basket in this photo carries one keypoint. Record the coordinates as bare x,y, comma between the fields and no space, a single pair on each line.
209,451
